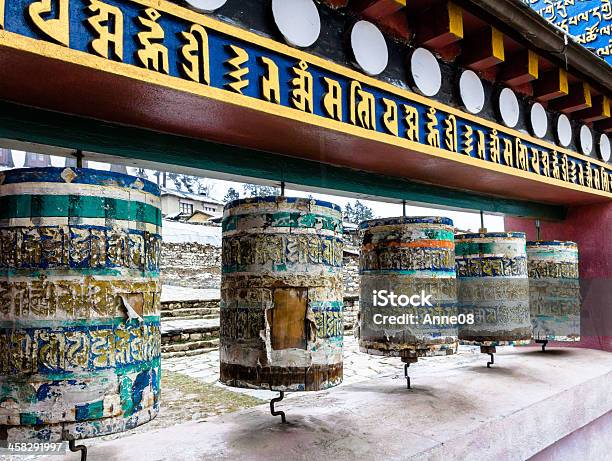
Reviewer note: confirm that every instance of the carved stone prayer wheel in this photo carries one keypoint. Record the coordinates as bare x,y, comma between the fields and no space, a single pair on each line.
402,261
493,286
554,290
79,303
281,294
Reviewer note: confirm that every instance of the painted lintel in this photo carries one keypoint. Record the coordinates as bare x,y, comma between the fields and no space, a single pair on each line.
22,123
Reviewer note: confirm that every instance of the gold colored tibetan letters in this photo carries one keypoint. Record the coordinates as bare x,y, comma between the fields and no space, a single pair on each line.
57,28
153,55
302,93
196,54
105,15
239,72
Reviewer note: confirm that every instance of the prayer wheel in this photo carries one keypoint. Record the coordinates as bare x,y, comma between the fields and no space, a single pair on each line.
79,303
493,287
554,290
408,287
281,294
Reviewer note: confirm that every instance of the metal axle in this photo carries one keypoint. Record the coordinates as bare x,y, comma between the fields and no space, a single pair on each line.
278,413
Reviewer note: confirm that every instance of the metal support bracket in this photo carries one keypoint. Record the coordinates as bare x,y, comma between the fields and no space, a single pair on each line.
543,342
73,447
489,350
406,365
278,413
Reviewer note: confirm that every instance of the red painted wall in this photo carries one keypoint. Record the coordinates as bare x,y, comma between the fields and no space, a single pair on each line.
590,226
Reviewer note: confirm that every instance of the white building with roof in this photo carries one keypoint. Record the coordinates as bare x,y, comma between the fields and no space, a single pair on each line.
175,202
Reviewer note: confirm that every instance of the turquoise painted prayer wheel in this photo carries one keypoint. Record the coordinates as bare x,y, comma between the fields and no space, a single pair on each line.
493,288
281,294
402,261
554,290
79,303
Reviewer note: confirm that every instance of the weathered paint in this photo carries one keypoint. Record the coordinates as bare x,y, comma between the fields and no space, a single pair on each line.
281,294
79,303
407,255
590,227
554,290
493,285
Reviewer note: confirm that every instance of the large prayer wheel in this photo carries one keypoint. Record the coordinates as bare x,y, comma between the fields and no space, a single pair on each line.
281,294
554,290
493,287
79,303
404,261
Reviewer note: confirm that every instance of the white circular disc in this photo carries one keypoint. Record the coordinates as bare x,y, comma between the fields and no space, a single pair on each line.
369,47
297,20
539,120
586,140
426,72
564,130
207,5
604,148
471,91
509,107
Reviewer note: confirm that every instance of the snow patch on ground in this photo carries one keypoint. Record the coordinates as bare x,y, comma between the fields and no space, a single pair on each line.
178,232
173,293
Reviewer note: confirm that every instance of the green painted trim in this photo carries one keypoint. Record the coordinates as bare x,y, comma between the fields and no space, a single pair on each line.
121,273
21,324
77,206
54,129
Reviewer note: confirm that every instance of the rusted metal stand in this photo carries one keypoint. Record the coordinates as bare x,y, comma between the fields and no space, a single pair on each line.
489,350
411,358
278,413
406,365
543,342
73,447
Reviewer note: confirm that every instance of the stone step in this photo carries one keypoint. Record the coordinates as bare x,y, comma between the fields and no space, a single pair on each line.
191,353
190,311
191,346
193,317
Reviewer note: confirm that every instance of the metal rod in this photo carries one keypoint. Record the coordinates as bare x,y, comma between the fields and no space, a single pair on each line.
537,223
282,189
79,158
73,447
404,208
406,365
482,227
543,342
278,413
492,362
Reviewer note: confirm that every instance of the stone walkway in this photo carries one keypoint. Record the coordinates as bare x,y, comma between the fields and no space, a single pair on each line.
357,367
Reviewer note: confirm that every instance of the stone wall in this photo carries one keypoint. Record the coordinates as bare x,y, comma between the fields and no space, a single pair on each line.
189,264
350,273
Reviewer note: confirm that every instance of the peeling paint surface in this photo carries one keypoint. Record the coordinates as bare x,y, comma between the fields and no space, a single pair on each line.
408,256
281,294
79,303
493,286
554,290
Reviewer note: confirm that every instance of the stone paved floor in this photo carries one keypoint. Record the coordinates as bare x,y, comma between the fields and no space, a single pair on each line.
357,367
